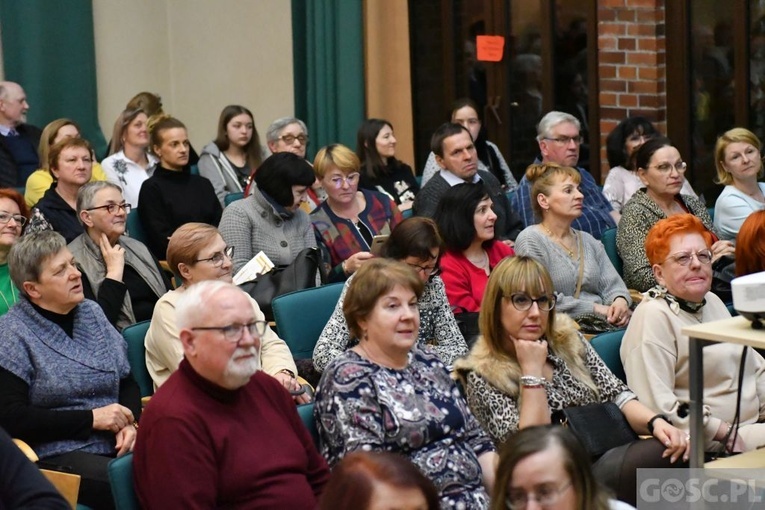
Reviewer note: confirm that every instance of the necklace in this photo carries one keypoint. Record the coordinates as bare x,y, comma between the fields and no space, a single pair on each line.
482,263
14,298
570,252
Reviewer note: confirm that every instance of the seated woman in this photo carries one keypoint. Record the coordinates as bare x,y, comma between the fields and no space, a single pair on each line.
465,113
129,162
173,195
739,166
388,394
197,252
549,462
347,221
380,170
117,271
750,245
622,181
584,279
661,171
270,220
70,163
655,352
414,241
376,480
40,180
228,160
65,383
466,222
530,362
13,215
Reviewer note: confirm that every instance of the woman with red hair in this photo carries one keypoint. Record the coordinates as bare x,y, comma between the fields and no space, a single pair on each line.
14,213
655,353
750,245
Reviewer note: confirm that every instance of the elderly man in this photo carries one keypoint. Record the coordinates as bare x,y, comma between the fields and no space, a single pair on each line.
18,140
457,157
559,142
220,433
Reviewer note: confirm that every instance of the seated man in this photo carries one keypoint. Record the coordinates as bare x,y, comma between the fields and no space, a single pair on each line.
220,433
457,157
18,140
559,142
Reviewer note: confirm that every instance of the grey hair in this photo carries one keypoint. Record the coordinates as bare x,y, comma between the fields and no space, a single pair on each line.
87,194
27,255
551,120
195,299
276,127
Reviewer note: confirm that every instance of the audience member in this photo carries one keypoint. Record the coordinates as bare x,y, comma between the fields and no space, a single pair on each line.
456,156
235,153
467,224
750,245
586,283
655,352
13,215
380,170
270,220
117,271
739,166
661,170
41,179
196,253
70,163
387,394
18,140
347,221
129,163
416,242
64,368
173,195
465,113
559,141
376,481
220,432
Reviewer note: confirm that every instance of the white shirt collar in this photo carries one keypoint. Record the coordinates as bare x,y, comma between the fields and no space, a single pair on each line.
453,180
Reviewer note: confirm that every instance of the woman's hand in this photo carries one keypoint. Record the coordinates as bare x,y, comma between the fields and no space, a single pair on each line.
291,384
734,442
113,417
619,312
355,261
126,439
532,356
114,258
677,442
722,249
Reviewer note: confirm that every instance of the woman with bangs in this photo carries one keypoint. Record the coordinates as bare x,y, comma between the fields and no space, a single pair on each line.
750,245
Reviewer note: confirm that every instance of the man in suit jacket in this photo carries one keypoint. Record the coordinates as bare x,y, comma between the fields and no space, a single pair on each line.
18,140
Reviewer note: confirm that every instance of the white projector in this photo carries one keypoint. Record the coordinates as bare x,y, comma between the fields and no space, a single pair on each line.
749,297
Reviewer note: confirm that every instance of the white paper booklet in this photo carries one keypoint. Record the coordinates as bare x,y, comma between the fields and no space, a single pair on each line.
259,264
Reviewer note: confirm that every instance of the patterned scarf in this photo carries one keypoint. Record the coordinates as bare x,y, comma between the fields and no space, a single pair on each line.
675,303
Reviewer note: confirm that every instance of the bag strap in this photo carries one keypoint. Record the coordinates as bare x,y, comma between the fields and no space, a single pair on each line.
581,268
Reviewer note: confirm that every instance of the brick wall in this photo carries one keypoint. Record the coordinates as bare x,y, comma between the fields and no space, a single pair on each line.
631,64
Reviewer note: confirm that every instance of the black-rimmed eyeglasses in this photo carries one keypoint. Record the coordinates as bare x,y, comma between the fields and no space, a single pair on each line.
522,302
429,271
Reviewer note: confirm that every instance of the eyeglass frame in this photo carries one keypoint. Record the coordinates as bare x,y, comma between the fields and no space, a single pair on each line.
565,140
20,219
123,206
551,298
237,329
338,180
547,500
667,167
228,251
430,272
679,257
302,138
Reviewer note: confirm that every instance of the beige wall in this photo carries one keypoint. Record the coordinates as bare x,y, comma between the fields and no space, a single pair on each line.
199,55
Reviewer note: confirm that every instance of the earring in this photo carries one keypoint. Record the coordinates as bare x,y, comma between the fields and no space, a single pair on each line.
364,335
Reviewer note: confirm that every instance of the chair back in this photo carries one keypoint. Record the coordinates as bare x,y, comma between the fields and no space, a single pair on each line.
306,414
233,197
121,482
607,346
134,336
301,316
135,227
608,238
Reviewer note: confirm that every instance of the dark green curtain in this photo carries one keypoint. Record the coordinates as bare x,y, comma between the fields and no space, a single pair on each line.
328,61
48,48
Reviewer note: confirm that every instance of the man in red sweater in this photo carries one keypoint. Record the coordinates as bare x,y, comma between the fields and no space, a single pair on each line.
220,433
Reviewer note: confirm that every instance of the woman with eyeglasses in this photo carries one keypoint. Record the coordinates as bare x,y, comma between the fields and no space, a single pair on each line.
655,352
661,170
13,215
197,252
235,153
349,219
416,242
118,272
530,362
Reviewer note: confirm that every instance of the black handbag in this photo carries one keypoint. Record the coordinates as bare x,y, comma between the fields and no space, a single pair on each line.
299,275
599,427
467,322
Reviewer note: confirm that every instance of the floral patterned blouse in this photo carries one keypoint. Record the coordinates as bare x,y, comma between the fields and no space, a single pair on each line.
417,412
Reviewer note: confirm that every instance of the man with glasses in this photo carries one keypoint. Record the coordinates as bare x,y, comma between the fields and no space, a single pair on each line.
559,140
220,432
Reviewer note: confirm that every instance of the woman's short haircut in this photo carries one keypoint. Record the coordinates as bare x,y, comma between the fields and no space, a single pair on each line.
186,243
646,151
414,237
61,146
274,131
543,176
660,236
455,214
252,149
335,155
163,124
443,132
617,138
734,135
532,440
750,245
149,102
49,134
12,194
370,283
120,126
29,254
279,172
86,195
366,147
552,119
353,480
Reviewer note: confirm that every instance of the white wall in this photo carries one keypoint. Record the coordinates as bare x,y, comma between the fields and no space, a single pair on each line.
199,55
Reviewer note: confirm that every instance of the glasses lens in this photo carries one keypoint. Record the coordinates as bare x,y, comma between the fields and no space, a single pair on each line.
705,257
257,328
229,251
521,302
233,332
546,303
